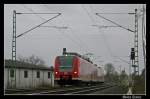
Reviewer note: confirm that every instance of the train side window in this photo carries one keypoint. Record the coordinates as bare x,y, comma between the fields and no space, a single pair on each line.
49,74
12,73
25,74
38,74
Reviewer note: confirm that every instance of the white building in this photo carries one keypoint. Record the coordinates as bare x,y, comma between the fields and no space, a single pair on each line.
27,75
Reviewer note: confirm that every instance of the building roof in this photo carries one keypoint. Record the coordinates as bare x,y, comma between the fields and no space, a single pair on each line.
24,65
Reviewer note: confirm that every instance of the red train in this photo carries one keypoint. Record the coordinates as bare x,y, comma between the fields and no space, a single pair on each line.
72,68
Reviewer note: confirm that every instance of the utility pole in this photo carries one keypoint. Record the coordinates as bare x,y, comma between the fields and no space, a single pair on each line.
12,70
136,61
144,39
130,78
134,54
144,35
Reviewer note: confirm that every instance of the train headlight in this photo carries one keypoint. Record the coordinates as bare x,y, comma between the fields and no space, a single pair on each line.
75,72
56,72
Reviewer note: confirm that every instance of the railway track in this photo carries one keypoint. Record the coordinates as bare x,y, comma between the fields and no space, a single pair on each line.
37,90
77,90
67,90
15,91
88,91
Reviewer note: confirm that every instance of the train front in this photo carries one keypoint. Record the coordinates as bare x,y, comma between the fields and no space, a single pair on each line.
66,69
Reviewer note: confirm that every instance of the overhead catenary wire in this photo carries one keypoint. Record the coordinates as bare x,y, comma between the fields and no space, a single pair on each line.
37,25
69,37
64,35
107,45
122,59
32,11
98,14
59,28
114,23
72,39
36,13
74,34
86,48
116,13
87,12
81,41
104,38
93,21
103,26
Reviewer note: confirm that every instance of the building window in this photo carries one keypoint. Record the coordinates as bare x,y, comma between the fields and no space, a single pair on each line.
49,74
25,74
11,73
38,74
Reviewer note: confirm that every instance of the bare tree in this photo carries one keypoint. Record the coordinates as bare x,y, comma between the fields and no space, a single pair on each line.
111,74
32,60
109,68
21,58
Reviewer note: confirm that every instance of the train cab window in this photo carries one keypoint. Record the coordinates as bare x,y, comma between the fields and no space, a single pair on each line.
38,74
49,75
11,73
25,74
65,63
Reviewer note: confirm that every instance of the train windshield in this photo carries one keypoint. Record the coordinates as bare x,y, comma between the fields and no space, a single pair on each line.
65,63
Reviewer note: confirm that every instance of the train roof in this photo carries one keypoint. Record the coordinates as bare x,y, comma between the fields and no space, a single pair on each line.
24,65
76,54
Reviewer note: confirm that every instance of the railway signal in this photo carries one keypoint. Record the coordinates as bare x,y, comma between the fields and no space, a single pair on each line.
132,57
64,51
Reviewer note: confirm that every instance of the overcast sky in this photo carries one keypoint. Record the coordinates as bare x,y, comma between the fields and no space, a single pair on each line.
80,36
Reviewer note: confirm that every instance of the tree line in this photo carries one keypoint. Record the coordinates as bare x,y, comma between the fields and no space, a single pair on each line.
123,79
32,60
